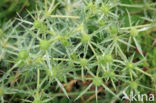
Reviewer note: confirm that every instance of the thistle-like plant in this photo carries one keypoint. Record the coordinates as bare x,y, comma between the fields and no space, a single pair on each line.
63,43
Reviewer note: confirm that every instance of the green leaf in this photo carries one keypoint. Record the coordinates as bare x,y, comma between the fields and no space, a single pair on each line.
84,91
61,86
138,46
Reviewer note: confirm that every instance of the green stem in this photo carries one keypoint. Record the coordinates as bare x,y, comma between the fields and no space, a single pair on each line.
92,49
38,78
138,26
144,72
2,99
131,75
62,59
65,16
45,5
132,6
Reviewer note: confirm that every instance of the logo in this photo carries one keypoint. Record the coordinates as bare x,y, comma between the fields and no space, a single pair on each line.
137,97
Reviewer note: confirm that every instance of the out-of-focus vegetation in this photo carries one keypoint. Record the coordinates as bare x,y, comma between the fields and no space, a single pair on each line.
8,8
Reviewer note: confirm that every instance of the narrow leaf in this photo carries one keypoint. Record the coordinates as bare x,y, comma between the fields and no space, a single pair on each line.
110,91
61,86
138,47
84,91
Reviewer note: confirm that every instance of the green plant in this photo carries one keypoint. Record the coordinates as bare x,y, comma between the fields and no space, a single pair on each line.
8,8
85,43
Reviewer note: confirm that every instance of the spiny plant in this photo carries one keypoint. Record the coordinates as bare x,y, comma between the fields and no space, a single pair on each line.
75,49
